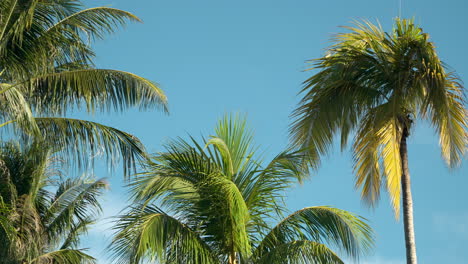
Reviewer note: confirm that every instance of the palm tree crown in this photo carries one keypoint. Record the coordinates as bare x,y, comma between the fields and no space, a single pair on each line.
47,70
374,85
42,215
214,203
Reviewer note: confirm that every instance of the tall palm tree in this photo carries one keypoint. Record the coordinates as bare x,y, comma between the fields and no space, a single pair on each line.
215,202
374,85
45,215
47,71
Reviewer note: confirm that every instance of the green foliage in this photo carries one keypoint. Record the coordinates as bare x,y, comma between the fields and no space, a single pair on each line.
47,70
213,202
44,216
375,85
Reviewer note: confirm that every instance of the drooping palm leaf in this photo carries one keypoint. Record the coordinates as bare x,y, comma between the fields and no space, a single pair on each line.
341,229
81,140
153,234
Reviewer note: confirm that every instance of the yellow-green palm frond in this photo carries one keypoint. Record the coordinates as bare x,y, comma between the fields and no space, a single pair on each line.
447,113
390,135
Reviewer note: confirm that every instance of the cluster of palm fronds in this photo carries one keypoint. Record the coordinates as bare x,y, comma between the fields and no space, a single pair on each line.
43,215
214,203
47,70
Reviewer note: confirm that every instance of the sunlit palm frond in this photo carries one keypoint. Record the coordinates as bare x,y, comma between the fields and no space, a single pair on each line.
96,88
94,22
449,116
321,224
47,69
390,135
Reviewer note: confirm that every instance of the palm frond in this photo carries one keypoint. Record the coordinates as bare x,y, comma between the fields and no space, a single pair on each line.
390,135
65,256
449,116
321,224
81,139
264,191
75,201
152,234
100,89
94,22
233,136
16,110
300,252
72,239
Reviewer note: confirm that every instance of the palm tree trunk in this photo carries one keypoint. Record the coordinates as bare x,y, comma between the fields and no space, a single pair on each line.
410,241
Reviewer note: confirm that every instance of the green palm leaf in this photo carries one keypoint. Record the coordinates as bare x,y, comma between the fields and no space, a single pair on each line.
154,234
78,138
321,224
300,252
65,256
96,88
76,199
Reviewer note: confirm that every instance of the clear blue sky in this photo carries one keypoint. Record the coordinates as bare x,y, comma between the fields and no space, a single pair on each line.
217,56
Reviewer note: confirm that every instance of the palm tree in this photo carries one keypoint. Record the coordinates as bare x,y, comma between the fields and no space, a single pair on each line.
42,215
215,202
374,85
47,71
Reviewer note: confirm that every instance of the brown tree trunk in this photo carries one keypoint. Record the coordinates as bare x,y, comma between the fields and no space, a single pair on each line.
410,241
